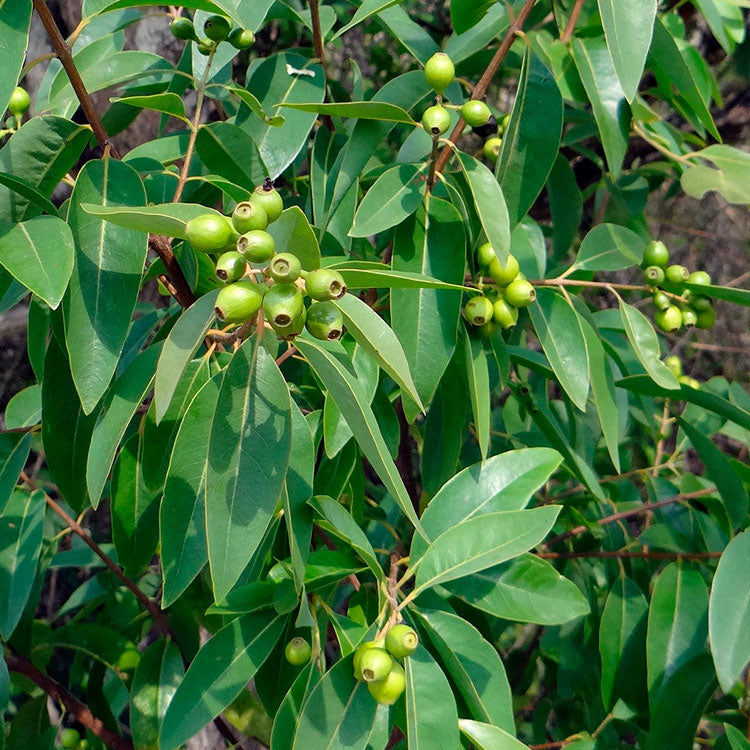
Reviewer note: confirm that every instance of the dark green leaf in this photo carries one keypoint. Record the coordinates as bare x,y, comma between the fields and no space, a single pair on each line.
292,233
229,151
358,110
478,386
487,737
28,190
14,451
168,103
15,19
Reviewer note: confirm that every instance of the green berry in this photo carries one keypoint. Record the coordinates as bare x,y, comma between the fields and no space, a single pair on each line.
294,328
689,317
209,233
19,101
297,651
268,197
676,275
129,659
249,215
231,266
375,664
706,318
674,363
478,310
656,254
669,320
359,653
439,72
325,321
217,28
504,274
238,302
699,277
241,38
698,302
489,329
661,300
389,690
285,268
654,275
476,113
401,640
504,314
205,47
502,126
485,254
69,738
324,284
436,120
283,304
182,28
689,382
257,246
520,293
491,148
84,745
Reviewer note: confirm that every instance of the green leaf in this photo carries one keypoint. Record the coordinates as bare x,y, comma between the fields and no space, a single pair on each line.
28,190
330,364
489,203
730,176
736,739
168,103
431,713
366,278
559,330
726,22
645,345
248,455
726,293
14,452
527,589
628,30
394,196
285,721
20,544
106,279
468,13
369,110
15,21
255,106
229,151
532,138
366,9
411,34
292,232
168,219
478,385
622,644
610,107
610,247
729,613
179,348
222,7
566,205
127,394
483,541
487,737
474,666
218,674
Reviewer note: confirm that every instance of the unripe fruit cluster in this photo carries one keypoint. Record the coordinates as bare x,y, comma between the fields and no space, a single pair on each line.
247,251
664,277
376,662
217,29
674,363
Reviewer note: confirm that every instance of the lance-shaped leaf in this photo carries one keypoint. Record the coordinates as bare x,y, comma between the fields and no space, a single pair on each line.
358,110
218,145
610,247
285,721
486,737
167,103
15,19
14,451
477,376
292,232
365,278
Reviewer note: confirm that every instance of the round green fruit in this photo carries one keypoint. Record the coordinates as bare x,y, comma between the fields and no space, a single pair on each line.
503,314
698,302
486,254
502,126
520,293
654,275
478,310
661,300
669,320
285,268
268,197
294,328
706,318
182,28
375,664
257,246
491,148
656,254
231,266
249,215
489,329
504,274
356,662
129,660
699,277
436,120
217,28
209,233
324,284
324,321
238,302
674,363
205,47
297,651
389,690
69,738
689,317
19,101
676,275
476,113
401,640
241,39
282,305
439,72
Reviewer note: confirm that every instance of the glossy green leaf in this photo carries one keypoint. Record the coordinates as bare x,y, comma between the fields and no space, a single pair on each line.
729,613
168,219
369,110
566,205
28,190
285,721
728,175
414,37
366,278
610,247
366,9
14,452
293,233
725,293
229,151
223,7
167,103
487,737
725,21
478,386
468,13
15,20
218,674
736,739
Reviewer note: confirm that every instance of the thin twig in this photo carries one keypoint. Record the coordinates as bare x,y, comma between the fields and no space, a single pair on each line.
662,437
572,21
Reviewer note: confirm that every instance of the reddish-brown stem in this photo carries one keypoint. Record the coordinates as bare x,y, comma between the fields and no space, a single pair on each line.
624,554
572,21
19,664
290,352
480,89
179,286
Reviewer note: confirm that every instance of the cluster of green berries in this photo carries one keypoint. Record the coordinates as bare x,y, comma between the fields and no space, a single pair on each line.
376,662
674,363
697,310
217,29
512,291
245,248
70,739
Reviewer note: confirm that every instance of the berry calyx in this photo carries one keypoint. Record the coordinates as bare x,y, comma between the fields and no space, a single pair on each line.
69,738
239,301
439,72
436,120
231,266
297,651
669,320
361,650
520,293
19,101
654,275
401,640
282,305
476,113
706,318
293,329
674,363
478,310
209,233
656,254
689,317
676,275
324,321
285,268
182,28
249,215
661,300
388,690
491,148
503,314
504,274
699,277
241,39
485,254
325,283
217,28
257,246
375,664
268,197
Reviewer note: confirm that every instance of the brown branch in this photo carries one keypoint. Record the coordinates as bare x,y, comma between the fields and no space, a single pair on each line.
19,664
625,554
179,286
319,48
481,88
574,14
